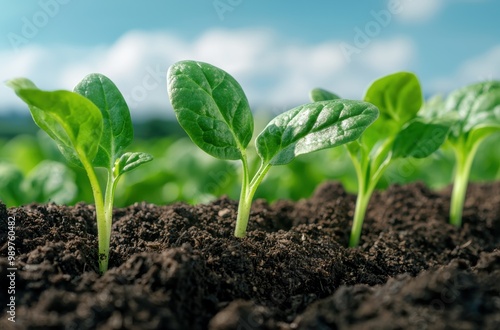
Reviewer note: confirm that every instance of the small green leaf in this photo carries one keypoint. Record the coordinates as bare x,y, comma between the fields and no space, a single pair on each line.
211,107
72,120
319,94
313,127
420,138
398,97
129,161
117,132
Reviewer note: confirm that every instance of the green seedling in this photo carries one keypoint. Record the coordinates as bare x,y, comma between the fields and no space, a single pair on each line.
91,127
398,133
212,108
476,112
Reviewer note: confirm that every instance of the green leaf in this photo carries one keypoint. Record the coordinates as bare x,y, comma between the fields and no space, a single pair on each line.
211,107
433,107
72,120
117,132
50,181
129,161
397,96
319,94
477,107
313,127
420,138
479,133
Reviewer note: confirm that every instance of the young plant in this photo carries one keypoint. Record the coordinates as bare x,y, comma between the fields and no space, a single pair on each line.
398,133
91,127
212,108
476,109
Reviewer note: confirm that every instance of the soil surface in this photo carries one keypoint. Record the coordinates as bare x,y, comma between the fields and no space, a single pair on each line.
179,267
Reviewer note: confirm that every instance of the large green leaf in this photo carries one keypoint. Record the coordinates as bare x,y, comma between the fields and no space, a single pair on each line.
117,131
72,120
420,138
211,107
478,110
313,127
397,96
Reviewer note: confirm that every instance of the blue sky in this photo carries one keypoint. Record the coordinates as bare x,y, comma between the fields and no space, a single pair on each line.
278,50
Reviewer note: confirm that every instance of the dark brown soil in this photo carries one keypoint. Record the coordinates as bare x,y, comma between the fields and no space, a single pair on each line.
179,267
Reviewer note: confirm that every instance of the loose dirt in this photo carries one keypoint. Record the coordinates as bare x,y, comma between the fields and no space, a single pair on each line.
179,267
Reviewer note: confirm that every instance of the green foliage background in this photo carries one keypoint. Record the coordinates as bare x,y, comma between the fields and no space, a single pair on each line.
180,171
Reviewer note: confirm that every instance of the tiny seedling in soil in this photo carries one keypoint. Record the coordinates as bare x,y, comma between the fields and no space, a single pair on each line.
475,110
91,127
397,133
212,108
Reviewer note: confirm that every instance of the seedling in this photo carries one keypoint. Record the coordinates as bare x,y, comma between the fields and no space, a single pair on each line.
476,110
91,127
398,133
212,108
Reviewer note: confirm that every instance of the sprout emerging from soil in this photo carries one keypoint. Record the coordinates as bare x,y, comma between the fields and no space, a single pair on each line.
398,133
475,111
212,108
91,127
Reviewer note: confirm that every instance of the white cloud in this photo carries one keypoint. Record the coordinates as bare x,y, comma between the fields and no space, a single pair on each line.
419,11
389,55
416,11
485,66
273,72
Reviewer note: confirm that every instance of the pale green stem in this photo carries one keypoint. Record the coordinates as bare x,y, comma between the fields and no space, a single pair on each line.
462,171
248,190
103,232
359,215
367,181
108,207
243,208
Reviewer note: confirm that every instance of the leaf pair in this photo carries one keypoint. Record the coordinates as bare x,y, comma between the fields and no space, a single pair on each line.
398,133
399,99
212,108
91,124
476,110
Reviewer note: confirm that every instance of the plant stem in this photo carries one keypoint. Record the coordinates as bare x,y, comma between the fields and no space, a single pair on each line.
243,208
362,200
464,163
108,211
369,171
103,232
248,190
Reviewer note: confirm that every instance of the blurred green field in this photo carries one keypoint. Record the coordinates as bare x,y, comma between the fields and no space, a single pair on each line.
33,170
